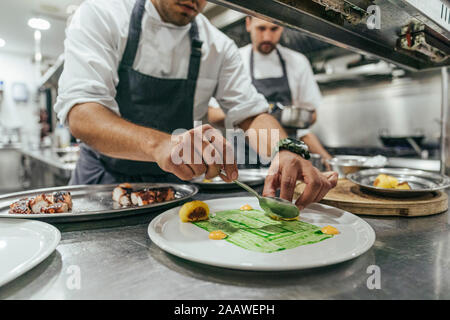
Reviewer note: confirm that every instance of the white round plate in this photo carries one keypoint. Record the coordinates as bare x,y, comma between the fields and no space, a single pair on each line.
23,245
190,242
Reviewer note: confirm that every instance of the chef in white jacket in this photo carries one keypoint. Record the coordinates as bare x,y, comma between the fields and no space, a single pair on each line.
136,70
282,75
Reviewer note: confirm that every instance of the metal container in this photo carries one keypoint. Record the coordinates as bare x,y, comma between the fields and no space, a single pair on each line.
420,181
345,165
94,202
300,117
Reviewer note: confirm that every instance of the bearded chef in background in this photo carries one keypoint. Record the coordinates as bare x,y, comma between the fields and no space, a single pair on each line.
282,75
136,70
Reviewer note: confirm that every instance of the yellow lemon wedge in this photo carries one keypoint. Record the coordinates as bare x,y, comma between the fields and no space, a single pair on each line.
385,181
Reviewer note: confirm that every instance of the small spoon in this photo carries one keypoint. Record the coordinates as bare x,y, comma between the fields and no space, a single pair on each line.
273,206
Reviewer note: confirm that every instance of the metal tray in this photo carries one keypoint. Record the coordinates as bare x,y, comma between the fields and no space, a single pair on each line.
252,177
420,181
93,202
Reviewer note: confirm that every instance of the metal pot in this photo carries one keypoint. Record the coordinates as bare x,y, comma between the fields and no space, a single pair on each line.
300,117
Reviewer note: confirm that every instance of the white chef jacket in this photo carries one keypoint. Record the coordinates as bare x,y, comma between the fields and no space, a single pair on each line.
96,40
303,86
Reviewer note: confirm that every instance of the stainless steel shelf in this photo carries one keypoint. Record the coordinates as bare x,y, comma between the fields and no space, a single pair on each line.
329,26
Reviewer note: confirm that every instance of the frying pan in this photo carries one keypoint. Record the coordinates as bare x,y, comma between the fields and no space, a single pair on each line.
407,141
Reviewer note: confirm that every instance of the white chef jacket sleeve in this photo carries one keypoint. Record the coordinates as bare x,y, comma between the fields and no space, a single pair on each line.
235,93
213,103
91,61
307,87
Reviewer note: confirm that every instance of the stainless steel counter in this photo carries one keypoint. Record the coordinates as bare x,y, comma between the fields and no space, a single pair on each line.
47,167
10,168
50,158
117,260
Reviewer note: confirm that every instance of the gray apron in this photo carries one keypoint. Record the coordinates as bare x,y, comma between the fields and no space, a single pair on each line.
162,104
274,90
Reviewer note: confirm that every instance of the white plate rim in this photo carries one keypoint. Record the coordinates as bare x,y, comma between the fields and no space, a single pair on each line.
160,242
42,255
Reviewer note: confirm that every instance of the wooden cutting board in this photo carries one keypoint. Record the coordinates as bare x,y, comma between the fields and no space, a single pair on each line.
349,197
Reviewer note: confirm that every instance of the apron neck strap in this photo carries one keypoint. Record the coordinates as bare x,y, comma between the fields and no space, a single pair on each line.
196,52
252,63
134,35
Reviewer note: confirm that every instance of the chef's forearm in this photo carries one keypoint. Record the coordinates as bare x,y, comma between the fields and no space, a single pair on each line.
315,146
263,132
112,135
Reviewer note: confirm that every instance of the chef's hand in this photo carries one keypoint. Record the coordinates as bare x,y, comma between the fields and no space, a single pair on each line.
202,150
287,168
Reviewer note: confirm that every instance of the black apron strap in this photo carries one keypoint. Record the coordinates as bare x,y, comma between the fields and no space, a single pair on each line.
134,34
196,52
163,104
252,64
283,63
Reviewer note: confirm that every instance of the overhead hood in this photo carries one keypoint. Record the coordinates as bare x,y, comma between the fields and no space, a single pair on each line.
414,34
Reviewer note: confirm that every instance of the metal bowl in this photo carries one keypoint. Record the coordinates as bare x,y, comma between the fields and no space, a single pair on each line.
300,117
346,164
420,181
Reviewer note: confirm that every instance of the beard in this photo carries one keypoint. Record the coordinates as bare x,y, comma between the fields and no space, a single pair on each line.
266,47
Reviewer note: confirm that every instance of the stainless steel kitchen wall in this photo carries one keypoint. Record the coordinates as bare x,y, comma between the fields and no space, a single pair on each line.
354,114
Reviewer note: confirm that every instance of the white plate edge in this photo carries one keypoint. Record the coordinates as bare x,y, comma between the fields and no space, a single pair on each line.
44,255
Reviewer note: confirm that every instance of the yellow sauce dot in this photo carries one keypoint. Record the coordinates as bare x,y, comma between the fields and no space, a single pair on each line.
217,235
329,230
246,207
207,180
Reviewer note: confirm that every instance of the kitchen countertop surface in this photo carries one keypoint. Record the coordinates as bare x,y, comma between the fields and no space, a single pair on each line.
49,157
117,260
